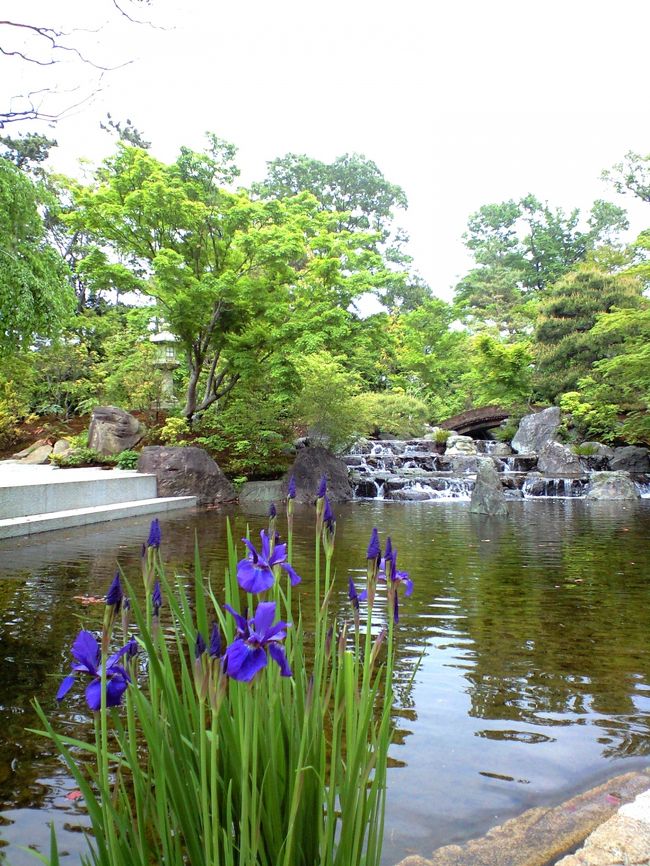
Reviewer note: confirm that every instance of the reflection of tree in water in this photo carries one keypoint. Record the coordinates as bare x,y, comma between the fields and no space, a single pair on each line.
561,636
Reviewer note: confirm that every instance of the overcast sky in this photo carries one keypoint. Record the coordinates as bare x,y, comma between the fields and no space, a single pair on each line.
461,103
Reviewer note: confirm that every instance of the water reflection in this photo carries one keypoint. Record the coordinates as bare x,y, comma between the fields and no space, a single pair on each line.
529,636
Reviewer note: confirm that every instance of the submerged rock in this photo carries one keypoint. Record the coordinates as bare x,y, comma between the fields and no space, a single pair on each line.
488,496
557,459
536,430
612,485
310,465
186,471
113,430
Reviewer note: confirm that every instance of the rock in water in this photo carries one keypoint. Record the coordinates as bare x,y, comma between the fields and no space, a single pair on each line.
113,430
309,467
631,458
464,445
557,459
536,430
612,485
488,496
190,471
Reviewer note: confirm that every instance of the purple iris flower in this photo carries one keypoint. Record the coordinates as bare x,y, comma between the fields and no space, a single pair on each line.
154,534
374,548
255,573
156,598
247,654
396,577
88,659
322,487
291,490
115,595
199,646
328,516
354,597
273,512
214,650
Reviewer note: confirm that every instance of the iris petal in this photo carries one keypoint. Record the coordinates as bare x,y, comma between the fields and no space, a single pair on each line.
65,687
264,616
86,650
279,657
243,662
254,578
293,574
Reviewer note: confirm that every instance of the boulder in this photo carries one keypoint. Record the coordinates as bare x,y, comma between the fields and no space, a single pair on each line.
536,430
488,496
462,463
309,467
38,455
630,458
599,450
113,430
557,459
464,445
262,491
186,471
61,446
612,485
26,451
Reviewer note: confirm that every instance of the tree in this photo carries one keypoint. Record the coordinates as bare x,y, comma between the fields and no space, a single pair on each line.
566,344
226,270
35,298
361,200
632,174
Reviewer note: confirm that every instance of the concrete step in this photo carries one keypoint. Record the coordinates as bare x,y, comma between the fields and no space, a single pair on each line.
45,522
54,490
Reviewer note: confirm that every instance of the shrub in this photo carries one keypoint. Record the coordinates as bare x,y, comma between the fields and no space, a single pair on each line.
174,430
76,457
599,420
394,413
441,435
127,460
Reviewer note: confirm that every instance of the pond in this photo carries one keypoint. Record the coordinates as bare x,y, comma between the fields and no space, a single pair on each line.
531,636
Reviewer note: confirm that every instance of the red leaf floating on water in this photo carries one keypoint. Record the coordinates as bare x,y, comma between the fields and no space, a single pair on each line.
88,599
74,795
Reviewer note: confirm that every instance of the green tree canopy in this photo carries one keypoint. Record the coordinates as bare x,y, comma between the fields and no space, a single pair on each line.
35,298
566,342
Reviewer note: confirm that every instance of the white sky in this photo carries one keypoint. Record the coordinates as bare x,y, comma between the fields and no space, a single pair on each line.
461,103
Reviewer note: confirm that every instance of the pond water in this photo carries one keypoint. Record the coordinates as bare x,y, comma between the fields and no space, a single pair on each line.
532,635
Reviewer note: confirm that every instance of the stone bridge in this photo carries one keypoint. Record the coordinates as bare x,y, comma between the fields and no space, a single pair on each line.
476,422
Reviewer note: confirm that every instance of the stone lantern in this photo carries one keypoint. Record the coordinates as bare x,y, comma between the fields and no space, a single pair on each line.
166,361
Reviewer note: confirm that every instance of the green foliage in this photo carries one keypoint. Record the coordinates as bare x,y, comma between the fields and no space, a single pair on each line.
500,373
392,413
35,298
596,420
441,435
127,460
567,343
82,456
585,449
327,404
174,431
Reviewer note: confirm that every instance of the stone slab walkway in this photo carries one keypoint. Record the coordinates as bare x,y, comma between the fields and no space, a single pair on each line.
542,835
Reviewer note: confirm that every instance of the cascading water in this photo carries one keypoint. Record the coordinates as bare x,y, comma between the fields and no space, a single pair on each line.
414,470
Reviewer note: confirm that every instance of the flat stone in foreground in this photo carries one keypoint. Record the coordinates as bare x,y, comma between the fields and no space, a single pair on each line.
541,835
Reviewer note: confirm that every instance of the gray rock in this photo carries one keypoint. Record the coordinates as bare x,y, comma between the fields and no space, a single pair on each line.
309,467
61,446
599,450
536,430
38,444
488,496
186,471
557,459
631,458
261,491
113,430
612,485
462,463
460,445
38,455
